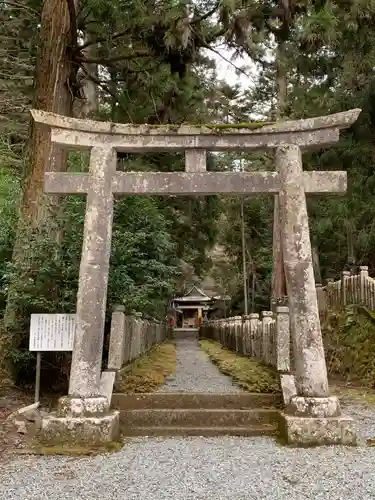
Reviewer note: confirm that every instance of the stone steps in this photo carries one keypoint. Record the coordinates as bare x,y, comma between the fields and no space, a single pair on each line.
188,400
185,333
198,418
198,414
253,431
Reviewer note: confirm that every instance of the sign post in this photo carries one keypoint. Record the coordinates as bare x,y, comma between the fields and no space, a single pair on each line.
48,333
37,376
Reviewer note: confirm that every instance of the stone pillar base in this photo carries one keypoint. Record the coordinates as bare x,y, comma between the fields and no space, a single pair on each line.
312,421
305,431
81,421
80,430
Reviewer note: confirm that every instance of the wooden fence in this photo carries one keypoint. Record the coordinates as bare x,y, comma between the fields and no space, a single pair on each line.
133,336
266,339
350,290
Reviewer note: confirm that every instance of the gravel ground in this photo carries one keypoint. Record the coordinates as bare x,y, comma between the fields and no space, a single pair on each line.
195,372
196,469
200,468
364,416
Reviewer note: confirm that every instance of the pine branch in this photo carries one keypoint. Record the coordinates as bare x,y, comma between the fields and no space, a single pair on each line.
108,62
104,39
227,60
21,6
203,17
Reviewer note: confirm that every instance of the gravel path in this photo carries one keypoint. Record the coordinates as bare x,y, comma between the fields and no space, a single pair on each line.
200,468
196,469
195,372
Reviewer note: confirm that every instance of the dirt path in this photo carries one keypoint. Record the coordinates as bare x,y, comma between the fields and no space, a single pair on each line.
10,401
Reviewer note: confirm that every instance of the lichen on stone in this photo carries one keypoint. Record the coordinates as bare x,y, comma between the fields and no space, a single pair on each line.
237,126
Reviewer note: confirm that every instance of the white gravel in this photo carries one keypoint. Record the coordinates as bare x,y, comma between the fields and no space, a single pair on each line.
364,417
196,468
200,468
195,372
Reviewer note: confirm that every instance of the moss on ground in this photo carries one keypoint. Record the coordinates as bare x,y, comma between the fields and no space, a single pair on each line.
147,373
72,450
349,340
245,372
351,394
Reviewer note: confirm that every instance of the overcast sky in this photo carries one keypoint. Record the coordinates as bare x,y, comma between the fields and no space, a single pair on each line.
227,71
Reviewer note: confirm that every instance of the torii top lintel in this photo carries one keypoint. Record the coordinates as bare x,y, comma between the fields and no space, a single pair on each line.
79,133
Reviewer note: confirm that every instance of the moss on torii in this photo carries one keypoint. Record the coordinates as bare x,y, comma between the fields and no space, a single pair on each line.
237,126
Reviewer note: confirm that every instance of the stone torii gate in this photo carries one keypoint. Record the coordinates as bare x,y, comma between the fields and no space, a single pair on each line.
85,412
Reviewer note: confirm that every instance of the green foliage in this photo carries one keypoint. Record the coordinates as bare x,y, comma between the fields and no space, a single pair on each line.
329,57
142,272
18,35
9,195
143,263
258,219
152,69
349,344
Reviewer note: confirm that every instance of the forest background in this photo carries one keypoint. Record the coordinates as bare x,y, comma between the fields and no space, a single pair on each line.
155,61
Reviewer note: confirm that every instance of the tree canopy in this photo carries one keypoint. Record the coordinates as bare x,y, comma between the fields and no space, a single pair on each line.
153,61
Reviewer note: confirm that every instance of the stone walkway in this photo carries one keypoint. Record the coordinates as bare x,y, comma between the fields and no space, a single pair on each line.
195,372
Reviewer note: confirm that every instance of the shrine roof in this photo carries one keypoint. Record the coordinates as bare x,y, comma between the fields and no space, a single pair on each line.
195,294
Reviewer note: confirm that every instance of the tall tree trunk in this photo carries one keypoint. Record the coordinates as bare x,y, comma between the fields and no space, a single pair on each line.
278,274
90,90
52,92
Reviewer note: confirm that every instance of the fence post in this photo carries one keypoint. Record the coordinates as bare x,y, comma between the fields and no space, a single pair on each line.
134,326
143,335
246,335
203,330
237,320
266,320
273,304
226,331
126,343
147,334
116,339
329,295
254,335
221,325
140,326
231,326
272,342
363,277
344,291
320,295
156,337
282,339
212,329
